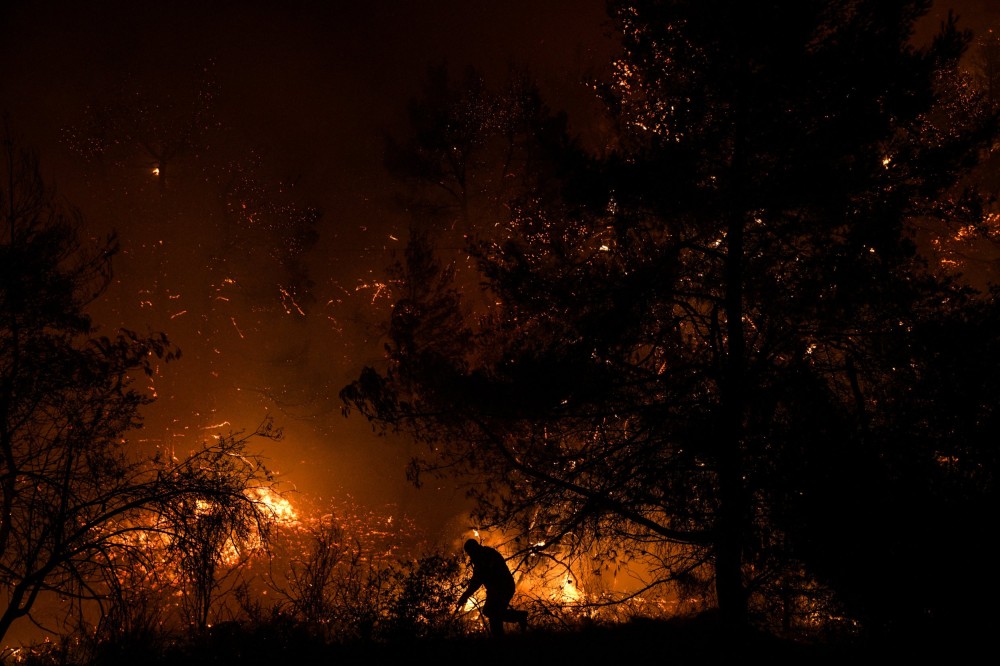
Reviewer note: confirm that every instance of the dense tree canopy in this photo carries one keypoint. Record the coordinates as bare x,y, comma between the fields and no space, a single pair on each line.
716,348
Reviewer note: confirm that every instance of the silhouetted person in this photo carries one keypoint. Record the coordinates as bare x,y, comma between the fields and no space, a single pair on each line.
489,569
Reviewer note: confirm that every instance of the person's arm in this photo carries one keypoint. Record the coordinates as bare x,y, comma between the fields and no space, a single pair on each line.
470,589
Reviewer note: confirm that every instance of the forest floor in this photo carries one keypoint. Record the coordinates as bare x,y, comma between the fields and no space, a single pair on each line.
684,643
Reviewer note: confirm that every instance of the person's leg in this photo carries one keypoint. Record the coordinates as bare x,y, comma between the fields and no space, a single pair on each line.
496,625
519,616
498,606
494,612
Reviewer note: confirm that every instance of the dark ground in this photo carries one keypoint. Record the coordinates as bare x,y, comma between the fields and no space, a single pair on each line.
694,642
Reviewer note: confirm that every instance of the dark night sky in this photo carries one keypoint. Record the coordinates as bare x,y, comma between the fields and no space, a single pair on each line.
306,88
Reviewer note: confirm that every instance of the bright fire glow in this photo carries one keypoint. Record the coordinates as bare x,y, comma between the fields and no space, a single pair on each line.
278,506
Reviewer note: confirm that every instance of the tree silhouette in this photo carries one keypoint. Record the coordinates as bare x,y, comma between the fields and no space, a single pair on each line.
79,502
702,352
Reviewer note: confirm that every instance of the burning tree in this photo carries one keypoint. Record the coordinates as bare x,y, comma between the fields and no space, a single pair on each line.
79,504
701,351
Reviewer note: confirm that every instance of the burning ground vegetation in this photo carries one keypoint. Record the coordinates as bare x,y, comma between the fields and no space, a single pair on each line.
321,573
319,581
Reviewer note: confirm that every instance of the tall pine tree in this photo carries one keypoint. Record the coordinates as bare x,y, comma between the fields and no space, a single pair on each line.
700,352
